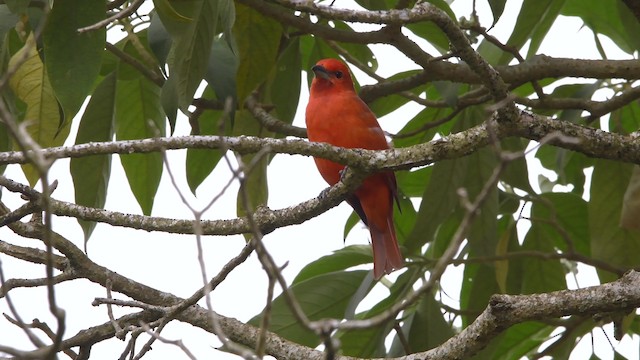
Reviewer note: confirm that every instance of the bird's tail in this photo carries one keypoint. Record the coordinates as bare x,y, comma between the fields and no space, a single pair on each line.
386,254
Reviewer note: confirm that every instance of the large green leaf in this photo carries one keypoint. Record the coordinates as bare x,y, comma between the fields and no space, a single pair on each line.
424,329
385,105
478,284
320,297
73,59
569,166
540,275
192,40
610,242
370,342
91,174
438,201
284,89
221,72
534,21
520,339
340,260
139,115
359,51
258,40
256,184
516,173
201,162
626,119
497,8
560,215
412,182
31,85
607,17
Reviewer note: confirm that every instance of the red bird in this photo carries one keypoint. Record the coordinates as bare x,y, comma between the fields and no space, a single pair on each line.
336,115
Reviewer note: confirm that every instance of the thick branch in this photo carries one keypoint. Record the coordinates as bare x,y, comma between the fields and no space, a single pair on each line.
507,310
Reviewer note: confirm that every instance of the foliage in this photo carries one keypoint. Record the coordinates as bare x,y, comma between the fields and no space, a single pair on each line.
234,69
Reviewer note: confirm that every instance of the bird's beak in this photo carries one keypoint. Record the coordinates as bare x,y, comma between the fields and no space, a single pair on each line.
321,72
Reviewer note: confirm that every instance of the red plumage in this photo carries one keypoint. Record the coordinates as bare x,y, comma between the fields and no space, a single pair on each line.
336,115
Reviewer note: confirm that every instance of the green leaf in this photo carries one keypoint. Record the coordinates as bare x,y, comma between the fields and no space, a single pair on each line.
258,40
284,89
534,21
540,275
192,41
478,284
351,222
256,183
626,119
91,174
31,85
563,214
437,199
221,72
610,18
516,173
159,39
323,296
370,342
359,51
201,162
497,8
431,32
341,259
521,339
569,166
385,105
139,115
412,182
425,328
73,59
610,242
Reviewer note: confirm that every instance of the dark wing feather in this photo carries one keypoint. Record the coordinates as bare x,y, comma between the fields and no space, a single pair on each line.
355,204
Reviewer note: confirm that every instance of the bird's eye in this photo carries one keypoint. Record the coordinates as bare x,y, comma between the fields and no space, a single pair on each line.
338,74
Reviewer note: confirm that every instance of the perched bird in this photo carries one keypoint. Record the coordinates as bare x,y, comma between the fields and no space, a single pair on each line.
336,115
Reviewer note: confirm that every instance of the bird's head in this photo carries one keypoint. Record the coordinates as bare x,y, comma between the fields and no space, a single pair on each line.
331,74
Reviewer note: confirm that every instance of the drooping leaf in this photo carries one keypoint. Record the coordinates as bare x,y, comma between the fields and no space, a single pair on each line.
534,21
91,174
258,40
497,8
73,59
610,18
159,39
323,296
424,329
43,117
284,90
370,342
609,241
221,72
341,259
139,115
255,165
563,217
201,162
540,275
359,51
192,41
521,339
